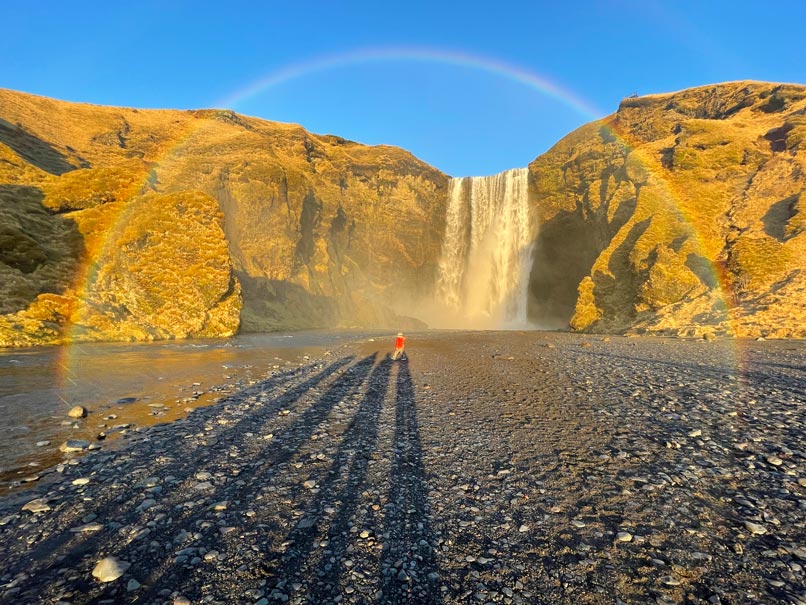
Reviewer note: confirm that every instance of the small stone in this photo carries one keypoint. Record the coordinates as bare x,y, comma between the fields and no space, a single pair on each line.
77,411
578,524
670,581
80,481
110,569
132,585
181,600
74,445
755,528
695,433
209,556
203,476
42,443
624,536
523,528
86,528
309,484
40,505
775,460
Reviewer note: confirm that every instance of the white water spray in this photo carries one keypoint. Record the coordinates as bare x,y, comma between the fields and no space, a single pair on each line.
486,258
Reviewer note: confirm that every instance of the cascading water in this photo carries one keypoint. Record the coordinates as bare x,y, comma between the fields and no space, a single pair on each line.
486,258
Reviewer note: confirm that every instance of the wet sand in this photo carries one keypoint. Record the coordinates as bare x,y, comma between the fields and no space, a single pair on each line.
490,468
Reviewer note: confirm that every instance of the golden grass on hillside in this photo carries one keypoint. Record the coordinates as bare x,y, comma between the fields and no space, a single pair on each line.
717,172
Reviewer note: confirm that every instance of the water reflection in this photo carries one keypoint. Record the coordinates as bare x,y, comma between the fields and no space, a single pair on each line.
128,385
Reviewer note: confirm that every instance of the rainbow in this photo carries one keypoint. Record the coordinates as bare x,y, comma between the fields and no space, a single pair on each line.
439,56
508,71
383,54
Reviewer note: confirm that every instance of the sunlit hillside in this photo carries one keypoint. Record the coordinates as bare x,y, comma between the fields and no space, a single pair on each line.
314,231
681,213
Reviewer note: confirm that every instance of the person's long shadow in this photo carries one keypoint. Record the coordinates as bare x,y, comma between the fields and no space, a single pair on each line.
272,457
68,548
358,442
410,561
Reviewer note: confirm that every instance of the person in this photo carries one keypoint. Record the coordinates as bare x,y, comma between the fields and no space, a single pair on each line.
400,345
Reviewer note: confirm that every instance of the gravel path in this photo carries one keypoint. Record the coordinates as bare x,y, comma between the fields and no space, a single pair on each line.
491,468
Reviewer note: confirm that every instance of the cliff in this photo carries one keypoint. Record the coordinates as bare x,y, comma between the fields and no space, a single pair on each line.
680,214
121,223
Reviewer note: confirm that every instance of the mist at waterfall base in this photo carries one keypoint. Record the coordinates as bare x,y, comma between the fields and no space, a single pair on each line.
483,271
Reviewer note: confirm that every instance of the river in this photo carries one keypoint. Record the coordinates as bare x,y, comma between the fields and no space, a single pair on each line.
128,385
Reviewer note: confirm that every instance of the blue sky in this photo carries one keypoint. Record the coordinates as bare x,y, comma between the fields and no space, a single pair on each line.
460,117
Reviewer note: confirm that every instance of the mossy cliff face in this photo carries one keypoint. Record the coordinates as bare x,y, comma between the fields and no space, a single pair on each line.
152,267
121,224
680,214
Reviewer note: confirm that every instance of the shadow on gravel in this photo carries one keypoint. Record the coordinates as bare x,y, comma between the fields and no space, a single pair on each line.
342,488
183,460
410,561
269,460
408,564
252,505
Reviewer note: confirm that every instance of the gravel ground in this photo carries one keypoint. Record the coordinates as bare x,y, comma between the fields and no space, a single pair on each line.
522,467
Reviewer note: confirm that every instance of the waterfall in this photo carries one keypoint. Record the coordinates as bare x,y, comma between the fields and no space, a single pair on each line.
486,258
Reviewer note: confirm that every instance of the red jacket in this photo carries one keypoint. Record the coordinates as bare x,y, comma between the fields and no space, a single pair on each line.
400,341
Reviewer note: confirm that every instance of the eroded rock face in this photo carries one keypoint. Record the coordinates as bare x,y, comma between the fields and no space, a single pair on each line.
121,224
679,214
